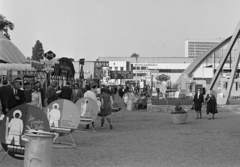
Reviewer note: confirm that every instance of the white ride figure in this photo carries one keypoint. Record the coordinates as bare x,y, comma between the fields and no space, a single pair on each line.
85,112
15,128
54,115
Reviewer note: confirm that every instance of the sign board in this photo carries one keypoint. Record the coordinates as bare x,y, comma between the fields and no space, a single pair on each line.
15,124
88,110
121,75
37,65
102,63
144,64
141,71
62,114
98,70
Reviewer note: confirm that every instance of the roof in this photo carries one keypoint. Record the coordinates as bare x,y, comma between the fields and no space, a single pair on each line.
9,53
150,59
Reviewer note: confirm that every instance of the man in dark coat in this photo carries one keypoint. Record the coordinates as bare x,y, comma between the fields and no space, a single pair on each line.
198,101
12,97
66,92
4,92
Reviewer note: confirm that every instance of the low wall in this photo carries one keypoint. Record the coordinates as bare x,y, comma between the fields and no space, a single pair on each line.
170,108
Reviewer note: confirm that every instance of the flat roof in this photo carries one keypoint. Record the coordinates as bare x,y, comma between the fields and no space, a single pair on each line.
150,59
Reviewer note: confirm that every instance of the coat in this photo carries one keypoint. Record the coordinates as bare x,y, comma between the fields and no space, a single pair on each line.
198,101
66,93
76,96
211,104
12,101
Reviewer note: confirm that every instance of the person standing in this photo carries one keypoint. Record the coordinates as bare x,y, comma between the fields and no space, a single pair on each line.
211,104
66,92
91,94
28,92
198,102
41,91
51,92
36,98
4,96
76,93
17,93
106,108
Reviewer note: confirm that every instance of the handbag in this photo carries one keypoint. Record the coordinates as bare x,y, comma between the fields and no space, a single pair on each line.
193,107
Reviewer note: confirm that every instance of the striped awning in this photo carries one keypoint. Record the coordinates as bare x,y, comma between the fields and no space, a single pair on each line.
9,53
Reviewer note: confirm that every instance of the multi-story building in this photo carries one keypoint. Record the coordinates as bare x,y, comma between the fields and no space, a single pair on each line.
195,48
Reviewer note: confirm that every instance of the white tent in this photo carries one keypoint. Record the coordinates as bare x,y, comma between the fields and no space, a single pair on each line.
9,53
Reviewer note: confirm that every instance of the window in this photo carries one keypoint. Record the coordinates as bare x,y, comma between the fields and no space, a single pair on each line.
116,68
138,68
121,68
143,68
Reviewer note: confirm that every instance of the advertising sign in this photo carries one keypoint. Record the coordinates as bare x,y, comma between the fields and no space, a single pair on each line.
88,110
62,114
15,124
121,75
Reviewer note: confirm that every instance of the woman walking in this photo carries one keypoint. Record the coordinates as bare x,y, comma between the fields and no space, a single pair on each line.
106,108
211,104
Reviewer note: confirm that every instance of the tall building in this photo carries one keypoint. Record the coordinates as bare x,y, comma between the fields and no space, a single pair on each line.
195,48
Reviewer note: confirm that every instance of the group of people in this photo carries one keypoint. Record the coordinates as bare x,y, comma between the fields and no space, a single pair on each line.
12,95
210,99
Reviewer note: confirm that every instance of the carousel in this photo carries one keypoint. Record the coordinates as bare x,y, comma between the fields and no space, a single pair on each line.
15,66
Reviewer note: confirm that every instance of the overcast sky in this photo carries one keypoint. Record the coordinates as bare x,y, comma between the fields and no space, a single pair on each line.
112,28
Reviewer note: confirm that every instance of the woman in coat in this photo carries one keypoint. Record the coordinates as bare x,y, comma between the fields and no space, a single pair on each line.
106,108
211,104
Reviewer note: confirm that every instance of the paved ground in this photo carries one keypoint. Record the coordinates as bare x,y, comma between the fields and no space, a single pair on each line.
144,139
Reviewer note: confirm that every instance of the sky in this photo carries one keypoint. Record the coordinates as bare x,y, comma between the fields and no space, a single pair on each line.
117,28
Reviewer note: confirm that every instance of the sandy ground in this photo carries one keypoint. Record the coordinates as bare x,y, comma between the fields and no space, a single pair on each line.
147,139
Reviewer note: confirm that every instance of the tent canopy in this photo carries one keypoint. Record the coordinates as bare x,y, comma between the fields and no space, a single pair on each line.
9,53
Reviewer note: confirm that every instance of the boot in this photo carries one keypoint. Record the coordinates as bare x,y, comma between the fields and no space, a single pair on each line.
200,112
102,123
110,123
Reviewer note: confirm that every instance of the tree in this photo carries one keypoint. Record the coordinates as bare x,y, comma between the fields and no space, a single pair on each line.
135,55
37,51
5,25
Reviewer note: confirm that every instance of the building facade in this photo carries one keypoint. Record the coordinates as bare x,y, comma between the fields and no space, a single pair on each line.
195,48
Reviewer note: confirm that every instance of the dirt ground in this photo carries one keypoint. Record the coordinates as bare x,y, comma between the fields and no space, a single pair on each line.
150,139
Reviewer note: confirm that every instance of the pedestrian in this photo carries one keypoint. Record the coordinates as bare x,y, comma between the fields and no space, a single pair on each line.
4,97
66,92
198,102
76,93
36,98
41,91
28,92
211,104
106,108
52,92
91,94
17,96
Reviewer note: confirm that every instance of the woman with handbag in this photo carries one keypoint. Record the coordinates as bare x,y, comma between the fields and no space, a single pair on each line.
211,104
